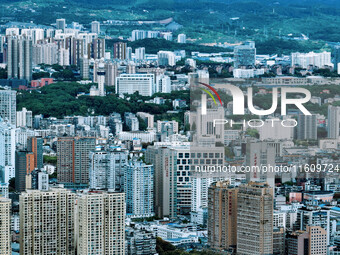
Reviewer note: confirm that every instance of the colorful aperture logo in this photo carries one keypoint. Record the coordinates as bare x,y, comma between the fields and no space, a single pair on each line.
204,97
209,93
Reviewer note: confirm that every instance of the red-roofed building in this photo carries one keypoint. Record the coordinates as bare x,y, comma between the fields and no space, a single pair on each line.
41,83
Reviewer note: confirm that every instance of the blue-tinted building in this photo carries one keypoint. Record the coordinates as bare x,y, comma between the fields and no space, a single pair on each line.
138,187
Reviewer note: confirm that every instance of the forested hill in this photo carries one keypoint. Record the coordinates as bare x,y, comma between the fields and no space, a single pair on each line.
60,100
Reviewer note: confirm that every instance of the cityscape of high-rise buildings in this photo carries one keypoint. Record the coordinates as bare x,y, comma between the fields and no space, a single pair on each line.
164,164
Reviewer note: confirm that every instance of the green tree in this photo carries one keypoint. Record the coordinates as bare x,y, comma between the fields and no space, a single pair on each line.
11,184
142,124
228,152
36,76
3,73
162,247
50,160
252,132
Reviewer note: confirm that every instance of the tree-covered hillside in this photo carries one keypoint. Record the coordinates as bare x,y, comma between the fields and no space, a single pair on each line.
60,99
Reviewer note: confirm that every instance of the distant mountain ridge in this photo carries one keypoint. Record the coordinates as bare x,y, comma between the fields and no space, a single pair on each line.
211,20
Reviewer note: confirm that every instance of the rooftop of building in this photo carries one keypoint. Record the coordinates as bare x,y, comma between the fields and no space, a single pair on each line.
313,208
296,233
319,192
335,208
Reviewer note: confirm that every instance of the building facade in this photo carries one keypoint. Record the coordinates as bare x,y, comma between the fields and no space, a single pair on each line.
5,226
307,127
8,104
101,223
130,83
107,169
333,125
7,151
139,189
73,160
222,216
255,219
24,118
47,222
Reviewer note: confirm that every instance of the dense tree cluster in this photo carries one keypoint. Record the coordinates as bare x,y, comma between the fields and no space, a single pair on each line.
165,248
280,46
3,73
60,99
58,72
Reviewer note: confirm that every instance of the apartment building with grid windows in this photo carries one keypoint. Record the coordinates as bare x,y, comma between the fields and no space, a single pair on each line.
101,223
5,226
73,160
47,222
255,212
